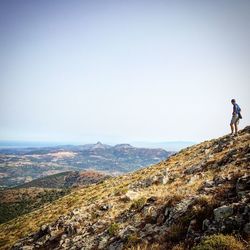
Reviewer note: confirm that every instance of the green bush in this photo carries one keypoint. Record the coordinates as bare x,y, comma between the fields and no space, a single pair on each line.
132,240
120,191
138,204
113,229
220,242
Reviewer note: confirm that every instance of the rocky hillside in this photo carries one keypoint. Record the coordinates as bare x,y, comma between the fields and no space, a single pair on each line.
196,199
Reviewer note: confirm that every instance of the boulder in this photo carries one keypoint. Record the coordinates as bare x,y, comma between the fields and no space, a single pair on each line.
193,179
141,184
43,240
163,179
27,247
76,211
207,151
247,228
205,224
130,195
167,211
246,130
147,182
152,199
116,246
193,169
243,185
126,232
103,242
44,228
72,228
172,214
150,211
219,180
148,229
160,178
209,184
222,213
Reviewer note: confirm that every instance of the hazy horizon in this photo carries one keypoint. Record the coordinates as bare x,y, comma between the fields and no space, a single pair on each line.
122,71
167,145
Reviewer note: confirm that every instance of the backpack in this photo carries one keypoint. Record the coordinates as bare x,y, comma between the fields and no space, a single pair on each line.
239,111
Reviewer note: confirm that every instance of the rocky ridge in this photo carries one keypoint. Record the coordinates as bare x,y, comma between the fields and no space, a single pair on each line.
201,191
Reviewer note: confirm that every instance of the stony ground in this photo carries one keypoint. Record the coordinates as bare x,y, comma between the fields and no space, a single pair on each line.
199,196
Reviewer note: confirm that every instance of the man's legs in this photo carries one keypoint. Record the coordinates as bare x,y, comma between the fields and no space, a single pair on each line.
236,129
232,128
236,126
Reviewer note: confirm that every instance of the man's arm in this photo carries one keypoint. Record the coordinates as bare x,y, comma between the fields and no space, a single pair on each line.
234,110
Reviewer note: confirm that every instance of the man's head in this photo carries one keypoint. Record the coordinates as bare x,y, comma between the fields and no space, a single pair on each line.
233,101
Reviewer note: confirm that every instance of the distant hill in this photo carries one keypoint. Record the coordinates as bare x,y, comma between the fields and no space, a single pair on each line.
21,165
67,180
50,181
168,145
35,194
16,202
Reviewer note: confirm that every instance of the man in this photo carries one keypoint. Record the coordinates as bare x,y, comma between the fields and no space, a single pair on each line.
235,118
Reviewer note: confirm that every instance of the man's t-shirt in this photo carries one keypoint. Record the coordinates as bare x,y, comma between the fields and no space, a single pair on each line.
236,109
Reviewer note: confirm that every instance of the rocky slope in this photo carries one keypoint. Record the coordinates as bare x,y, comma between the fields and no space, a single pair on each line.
196,199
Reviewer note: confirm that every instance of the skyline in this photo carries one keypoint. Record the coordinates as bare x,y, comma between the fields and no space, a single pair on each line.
168,145
114,71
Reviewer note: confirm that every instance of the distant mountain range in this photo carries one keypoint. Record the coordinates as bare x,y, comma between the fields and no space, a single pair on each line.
24,164
167,145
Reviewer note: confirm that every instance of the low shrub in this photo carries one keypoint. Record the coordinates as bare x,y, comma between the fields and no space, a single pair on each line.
173,200
220,242
120,191
132,240
113,229
138,204
176,232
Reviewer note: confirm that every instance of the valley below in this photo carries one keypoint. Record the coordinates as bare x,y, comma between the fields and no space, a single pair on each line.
22,165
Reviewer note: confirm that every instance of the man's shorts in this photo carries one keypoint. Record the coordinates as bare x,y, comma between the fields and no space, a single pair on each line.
235,119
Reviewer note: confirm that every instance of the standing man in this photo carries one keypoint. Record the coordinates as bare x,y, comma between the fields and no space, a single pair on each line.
235,118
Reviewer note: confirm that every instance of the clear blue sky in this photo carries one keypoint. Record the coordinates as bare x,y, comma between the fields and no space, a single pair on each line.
118,71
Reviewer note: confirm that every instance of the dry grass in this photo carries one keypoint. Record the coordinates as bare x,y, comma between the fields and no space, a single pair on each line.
220,241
